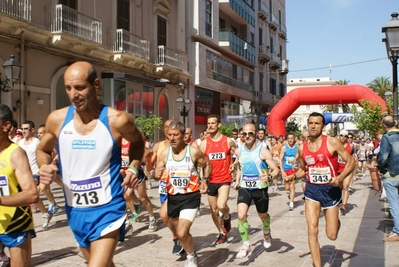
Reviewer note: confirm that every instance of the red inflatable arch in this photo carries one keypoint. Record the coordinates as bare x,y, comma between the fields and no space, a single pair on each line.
318,95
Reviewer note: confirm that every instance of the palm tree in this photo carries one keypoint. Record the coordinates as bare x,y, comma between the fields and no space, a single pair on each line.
345,107
335,108
380,86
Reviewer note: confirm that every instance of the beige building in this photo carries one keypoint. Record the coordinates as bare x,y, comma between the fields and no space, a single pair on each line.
226,56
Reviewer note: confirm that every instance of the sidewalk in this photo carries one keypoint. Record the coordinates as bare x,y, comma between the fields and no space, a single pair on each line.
359,242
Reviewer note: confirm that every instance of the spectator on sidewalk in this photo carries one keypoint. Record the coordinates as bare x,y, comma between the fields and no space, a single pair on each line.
387,160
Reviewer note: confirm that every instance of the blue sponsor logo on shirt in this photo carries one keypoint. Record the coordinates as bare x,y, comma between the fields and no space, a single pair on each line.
86,185
84,144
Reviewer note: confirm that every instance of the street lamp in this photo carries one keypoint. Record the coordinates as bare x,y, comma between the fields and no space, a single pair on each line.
184,107
12,68
391,40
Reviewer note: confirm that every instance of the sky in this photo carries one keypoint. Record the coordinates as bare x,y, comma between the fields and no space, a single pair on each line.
344,33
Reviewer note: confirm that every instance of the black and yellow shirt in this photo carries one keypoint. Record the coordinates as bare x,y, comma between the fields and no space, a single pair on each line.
12,219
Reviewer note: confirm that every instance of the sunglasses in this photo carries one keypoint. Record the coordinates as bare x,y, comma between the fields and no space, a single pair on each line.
248,133
25,129
343,135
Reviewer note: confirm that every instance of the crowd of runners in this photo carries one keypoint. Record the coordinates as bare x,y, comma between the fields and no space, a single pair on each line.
103,163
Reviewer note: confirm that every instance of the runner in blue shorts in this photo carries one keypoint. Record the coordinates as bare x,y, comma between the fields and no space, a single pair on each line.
17,191
88,138
318,157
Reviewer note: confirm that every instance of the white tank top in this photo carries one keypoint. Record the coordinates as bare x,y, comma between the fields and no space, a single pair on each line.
89,164
31,153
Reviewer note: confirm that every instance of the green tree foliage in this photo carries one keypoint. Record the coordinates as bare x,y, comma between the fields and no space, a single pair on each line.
148,125
292,126
380,86
369,118
226,129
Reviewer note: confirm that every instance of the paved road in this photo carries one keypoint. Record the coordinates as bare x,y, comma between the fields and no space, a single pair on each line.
359,242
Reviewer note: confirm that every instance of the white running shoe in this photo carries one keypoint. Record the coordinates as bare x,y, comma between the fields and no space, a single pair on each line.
192,261
291,206
244,252
46,220
152,227
268,239
128,226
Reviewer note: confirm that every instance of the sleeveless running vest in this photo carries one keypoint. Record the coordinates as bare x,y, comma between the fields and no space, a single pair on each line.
12,219
276,154
219,156
182,176
252,166
31,153
341,162
289,157
90,164
321,166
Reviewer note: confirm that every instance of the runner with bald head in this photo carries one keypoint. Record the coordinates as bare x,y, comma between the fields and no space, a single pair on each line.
187,137
88,138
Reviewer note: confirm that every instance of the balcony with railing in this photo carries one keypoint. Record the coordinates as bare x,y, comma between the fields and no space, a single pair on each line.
264,54
233,82
65,20
262,11
273,22
237,45
17,9
126,42
282,30
275,61
238,7
168,57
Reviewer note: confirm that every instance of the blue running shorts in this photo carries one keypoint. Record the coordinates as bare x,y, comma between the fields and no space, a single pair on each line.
89,224
13,240
327,195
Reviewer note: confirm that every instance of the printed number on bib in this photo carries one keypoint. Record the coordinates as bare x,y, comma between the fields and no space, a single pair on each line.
4,189
88,193
86,199
180,182
125,161
162,187
289,160
217,156
320,175
250,181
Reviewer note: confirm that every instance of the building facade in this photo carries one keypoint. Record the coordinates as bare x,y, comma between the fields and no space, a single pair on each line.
228,56
238,59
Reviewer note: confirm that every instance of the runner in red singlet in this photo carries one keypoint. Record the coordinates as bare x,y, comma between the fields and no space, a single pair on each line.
219,149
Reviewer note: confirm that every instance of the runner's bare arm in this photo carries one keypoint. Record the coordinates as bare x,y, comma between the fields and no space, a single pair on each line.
161,162
28,194
281,157
335,146
267,157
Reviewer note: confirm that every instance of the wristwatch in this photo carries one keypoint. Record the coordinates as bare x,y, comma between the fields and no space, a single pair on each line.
205,179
